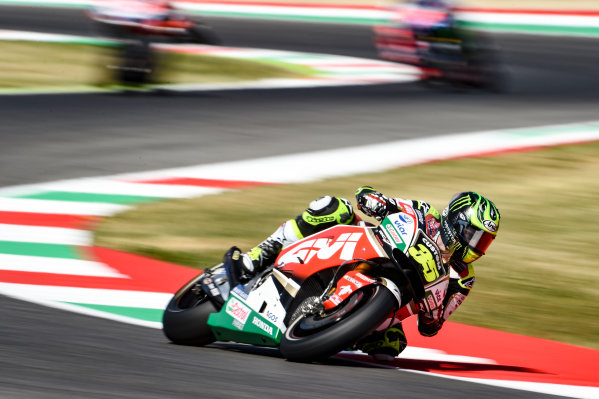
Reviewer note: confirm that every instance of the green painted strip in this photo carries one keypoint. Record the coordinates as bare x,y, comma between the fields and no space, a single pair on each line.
145,314
579,128
344,20
37,249
552,29
92,197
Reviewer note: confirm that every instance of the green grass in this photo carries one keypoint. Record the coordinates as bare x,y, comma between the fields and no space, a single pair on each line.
539,278
39,65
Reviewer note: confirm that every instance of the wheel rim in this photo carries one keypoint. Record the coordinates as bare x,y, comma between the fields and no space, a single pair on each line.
311,324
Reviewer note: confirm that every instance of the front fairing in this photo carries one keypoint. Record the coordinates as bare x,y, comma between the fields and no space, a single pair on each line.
329,248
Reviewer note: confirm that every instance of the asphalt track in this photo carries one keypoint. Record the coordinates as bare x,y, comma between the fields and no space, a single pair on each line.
48,353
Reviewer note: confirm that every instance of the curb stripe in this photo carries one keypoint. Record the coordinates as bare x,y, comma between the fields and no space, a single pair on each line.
25,263
537,29
59,207
42,219
146,314
109,297
214,183
109,187
67,281
37,249
45,235
119,199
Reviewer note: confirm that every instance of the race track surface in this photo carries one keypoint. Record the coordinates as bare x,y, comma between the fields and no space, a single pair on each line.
48,353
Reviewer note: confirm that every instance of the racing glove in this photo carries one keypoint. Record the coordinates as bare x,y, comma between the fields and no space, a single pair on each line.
374,204
427,325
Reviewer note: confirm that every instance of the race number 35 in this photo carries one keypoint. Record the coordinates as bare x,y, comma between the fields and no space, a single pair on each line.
423,256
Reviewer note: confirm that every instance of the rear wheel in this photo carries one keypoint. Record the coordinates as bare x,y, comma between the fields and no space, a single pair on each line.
186,316
315,337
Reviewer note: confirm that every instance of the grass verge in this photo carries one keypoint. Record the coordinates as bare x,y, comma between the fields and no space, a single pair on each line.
40,65
539,278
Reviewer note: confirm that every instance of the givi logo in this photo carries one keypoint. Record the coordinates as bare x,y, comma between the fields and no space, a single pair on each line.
324,248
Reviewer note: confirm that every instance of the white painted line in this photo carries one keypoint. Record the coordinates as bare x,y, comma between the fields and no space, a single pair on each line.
571,391
89,312
416,353
41,264
59,207
104,186
286,10
91,296
45,235
531,19
434,355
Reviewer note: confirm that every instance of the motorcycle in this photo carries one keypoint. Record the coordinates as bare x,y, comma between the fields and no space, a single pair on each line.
445,52
323,294
135,24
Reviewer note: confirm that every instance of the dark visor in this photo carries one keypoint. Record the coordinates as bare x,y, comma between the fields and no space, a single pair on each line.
477,239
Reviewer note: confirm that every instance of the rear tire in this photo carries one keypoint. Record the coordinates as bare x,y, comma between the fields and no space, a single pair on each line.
185,319
317,337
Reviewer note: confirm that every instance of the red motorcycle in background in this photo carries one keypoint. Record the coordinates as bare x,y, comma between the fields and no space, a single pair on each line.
324,293
135,24
427,34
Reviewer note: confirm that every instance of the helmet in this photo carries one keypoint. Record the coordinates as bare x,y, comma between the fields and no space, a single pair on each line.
469,225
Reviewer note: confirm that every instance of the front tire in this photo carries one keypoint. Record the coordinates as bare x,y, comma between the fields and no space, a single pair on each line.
317,337
185,319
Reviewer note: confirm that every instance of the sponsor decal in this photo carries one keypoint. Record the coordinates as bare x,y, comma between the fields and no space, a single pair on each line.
323,248
431,247
431,302
318,219
405,218
353,281
335,299
240,292
383,238
468,283
262,325
439,295
237,324
238,310
400,227
394,236
271,316
490,225
365,278
420,217
344,290
432,226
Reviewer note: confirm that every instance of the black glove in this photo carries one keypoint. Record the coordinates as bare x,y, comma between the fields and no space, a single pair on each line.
427,326
374,204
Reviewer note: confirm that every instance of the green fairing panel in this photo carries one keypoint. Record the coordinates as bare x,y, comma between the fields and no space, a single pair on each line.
238,323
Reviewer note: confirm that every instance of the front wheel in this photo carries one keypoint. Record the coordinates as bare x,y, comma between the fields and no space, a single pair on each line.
185,319
315,337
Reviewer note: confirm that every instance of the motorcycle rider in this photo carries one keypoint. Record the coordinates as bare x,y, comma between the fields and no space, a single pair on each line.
463,232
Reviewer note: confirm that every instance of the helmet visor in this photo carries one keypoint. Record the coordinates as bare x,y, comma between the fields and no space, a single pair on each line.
477,239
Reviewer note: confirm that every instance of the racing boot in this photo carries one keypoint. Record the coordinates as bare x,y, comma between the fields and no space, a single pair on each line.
385,345
260,257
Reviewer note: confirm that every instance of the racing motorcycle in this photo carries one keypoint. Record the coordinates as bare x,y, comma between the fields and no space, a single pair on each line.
323,294
135,25
445,52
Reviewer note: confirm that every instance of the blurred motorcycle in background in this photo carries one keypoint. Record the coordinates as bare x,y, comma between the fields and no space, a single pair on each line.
426,34
135,24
